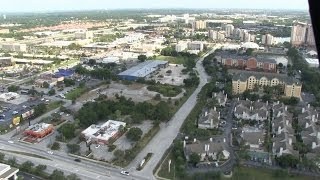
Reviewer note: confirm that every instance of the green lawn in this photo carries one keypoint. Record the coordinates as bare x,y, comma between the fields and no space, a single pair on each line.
171,59
245,173
165,89
74,94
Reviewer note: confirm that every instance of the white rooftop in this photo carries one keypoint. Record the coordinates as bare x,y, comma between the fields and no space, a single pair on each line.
312,61
103,132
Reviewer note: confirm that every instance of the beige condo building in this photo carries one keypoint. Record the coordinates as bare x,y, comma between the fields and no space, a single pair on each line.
247,81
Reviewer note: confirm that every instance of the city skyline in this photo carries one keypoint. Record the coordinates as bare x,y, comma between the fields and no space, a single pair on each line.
71,5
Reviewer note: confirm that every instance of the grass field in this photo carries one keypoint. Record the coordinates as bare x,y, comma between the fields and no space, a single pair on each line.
245,173
74,94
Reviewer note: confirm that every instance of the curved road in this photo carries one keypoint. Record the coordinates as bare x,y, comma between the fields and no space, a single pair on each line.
164,138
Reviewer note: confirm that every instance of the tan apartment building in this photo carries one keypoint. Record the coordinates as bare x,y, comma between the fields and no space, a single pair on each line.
247,80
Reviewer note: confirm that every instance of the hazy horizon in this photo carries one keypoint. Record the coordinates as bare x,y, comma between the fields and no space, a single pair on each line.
16,6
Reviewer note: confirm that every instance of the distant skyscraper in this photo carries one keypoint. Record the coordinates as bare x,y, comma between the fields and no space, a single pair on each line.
200,25
213,34
298,34
229,30
4,16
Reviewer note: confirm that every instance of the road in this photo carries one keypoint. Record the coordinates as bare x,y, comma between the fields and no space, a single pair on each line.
167,133
90,170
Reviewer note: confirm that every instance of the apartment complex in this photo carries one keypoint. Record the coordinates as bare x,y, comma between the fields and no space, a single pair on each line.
199,25
247,81
267,40
229,30
247,62
302,34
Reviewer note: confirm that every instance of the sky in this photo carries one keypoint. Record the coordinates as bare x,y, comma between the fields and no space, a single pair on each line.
66,5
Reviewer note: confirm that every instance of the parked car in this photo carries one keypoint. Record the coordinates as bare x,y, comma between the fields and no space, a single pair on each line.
77,160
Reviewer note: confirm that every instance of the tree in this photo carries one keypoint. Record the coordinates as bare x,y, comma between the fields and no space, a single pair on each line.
26,166
45,85
67,130
72,177
51,92
39,169
280,65
40,109
142,58
287,160
69,82
157,97
57,175
194,158
134,134
74,46
119,154
162,111
12,162
55,146
2,157
73,148
13,88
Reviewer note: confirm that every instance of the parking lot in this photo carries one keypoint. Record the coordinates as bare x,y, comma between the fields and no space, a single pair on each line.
10,110
176,77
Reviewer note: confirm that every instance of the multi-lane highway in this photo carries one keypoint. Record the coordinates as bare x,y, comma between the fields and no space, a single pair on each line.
91,170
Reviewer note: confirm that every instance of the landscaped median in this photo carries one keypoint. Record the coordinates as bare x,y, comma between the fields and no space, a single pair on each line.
144,161
134,151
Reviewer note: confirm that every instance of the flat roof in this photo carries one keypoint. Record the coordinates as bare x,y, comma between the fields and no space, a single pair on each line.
35,61
105,131
143,69
39,127
312,61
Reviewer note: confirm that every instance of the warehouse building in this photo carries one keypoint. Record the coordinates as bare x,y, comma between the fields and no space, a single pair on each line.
8,172
142,70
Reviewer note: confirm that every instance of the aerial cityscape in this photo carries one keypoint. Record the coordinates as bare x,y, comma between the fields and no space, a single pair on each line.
166,90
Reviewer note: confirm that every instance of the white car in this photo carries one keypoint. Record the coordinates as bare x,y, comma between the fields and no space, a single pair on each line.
98,145
50,152
125,173
11,142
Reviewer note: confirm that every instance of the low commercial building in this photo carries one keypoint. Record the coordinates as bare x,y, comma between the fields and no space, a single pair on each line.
143,69
102,134
5,61
312,62
17,47
248,80
84,35
39,130
7,172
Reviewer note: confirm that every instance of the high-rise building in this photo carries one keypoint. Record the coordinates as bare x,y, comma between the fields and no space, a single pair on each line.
221,35
267,39
213,34
302,34
199,24
310,36
229,30
245,36
298,34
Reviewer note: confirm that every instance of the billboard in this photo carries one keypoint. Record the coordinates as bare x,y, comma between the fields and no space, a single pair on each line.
27,114
16,120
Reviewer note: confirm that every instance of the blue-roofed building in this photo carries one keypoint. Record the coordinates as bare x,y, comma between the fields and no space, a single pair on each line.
64,72
142,70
